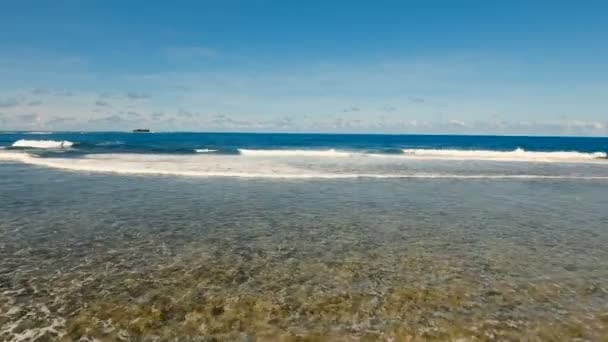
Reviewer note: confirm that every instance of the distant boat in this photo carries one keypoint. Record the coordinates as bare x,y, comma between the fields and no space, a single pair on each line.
141,130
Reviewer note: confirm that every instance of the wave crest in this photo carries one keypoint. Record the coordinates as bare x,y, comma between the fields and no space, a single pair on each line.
294,153
515,155
238,167
43,144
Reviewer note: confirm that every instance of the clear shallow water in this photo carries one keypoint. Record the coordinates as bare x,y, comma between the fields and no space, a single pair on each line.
107,256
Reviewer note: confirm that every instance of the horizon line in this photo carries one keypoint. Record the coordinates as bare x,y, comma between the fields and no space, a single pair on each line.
310,133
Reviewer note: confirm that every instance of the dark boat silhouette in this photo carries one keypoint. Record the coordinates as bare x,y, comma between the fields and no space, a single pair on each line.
141,130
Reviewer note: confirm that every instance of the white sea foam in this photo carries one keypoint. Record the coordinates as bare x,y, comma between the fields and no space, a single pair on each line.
294,153
507,156
44,144
110,143
238,166
16,156
515,155
204,150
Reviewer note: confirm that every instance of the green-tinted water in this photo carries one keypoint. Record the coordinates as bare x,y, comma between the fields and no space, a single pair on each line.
98,257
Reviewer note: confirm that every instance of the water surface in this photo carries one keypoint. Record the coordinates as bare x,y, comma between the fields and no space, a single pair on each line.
87,255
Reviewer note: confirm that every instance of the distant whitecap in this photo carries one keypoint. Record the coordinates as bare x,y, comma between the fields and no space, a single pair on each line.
294,153
515,155
44,144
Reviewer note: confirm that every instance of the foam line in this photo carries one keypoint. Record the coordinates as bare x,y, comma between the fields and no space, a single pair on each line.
515,155
195,167
294,153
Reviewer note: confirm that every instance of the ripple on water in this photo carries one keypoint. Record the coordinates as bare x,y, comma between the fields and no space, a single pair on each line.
305,261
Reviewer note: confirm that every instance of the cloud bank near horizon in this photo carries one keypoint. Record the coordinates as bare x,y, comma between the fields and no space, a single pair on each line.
450,95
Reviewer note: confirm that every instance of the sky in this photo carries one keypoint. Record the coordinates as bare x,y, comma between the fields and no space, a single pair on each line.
455,67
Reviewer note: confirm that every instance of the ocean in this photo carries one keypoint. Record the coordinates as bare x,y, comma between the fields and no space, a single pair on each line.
302,237
308,156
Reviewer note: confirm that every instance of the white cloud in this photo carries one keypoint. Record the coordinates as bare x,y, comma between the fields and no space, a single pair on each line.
136,96
8,103
457,123
58,122
397,97
417,100
351,109
189,52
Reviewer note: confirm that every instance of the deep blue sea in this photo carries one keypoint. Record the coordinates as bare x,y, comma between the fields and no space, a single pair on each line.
302,237
230,143
312,155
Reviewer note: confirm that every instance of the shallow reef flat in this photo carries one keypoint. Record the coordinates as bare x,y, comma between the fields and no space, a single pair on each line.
213,261
222,289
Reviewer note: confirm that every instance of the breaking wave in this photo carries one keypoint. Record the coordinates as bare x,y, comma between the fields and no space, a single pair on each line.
211,165
204,150
43,144
515,155
294,153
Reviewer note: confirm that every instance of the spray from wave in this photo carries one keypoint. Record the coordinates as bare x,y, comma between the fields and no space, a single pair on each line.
43,144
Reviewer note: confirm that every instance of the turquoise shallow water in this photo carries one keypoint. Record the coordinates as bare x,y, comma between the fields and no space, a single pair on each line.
95,256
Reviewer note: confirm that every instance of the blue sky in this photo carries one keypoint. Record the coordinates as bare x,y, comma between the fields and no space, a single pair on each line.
488,67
